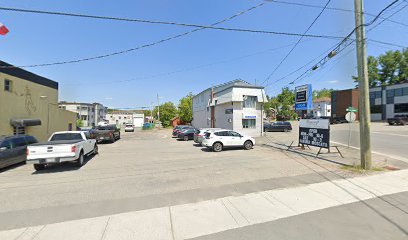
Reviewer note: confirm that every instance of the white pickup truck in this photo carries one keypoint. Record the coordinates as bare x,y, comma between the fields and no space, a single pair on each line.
62,147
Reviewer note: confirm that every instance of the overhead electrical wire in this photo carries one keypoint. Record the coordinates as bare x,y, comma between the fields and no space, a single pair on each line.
346,42
161,22
142,46
200,27
335,9
297,43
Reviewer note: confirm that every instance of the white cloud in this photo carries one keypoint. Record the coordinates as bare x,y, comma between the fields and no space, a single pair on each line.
109,98
333,81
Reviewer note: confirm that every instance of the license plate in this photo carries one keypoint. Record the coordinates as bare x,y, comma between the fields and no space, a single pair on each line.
101,138
51,160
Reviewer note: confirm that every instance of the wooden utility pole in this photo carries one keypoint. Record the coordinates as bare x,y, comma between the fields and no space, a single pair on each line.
364,101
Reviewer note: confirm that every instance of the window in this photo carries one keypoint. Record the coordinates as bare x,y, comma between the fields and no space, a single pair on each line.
8,85
6,144
390,93
66,136
30,140
401,108
222,134
377,94
18,142
234,134
84,118
398,92
405,91
249,102
248,123
376,109
390,100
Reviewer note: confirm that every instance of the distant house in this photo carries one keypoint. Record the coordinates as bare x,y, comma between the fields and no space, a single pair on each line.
176,121
89,113
235,105
322,107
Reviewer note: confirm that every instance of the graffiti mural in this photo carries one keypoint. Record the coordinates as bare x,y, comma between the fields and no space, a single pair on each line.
29,104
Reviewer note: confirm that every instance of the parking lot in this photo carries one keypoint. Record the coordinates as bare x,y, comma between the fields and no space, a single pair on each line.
147,169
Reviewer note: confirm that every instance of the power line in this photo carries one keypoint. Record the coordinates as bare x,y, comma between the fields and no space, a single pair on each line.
344,43
171,38
160,22
387,43
190,68
139,47
297,43
335,9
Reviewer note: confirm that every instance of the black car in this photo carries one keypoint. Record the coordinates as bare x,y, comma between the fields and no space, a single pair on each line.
398,120
178,129
277,127
187,134
13,149
109,133
338,120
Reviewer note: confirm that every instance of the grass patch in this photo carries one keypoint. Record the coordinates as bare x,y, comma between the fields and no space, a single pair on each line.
358,169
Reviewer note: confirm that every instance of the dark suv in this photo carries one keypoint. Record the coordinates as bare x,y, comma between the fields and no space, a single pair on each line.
277,127
13,149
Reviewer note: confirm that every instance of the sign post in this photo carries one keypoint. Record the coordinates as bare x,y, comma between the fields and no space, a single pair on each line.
350,117
303,97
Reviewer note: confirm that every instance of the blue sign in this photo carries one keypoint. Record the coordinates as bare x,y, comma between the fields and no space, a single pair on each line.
303,97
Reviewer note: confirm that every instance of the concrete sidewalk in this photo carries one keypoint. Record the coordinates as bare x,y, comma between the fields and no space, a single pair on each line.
212,216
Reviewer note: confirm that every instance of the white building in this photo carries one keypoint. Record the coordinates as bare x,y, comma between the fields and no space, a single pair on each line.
236,105
388,101
120,118
90,113
322,107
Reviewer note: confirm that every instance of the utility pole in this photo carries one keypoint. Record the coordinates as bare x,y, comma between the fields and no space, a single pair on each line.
364,102
158,108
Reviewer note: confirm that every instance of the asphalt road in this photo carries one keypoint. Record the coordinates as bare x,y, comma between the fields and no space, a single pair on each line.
387,140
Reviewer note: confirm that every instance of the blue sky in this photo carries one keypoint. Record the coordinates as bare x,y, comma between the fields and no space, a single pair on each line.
200,59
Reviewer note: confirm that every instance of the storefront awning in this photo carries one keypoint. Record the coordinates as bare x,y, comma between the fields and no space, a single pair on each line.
25,122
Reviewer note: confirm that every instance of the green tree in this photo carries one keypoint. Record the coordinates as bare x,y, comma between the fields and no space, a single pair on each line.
322,93
185,108
79,123
283,103
389,66
167,111
373,72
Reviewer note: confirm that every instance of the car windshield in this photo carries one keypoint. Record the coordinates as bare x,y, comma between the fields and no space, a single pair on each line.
106,127
66,136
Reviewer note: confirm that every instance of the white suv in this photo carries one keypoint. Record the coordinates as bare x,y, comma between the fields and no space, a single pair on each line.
217,140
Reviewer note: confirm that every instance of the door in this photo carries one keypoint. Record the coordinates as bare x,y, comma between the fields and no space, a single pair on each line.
19,146
88,146
224,137
236,139
5,154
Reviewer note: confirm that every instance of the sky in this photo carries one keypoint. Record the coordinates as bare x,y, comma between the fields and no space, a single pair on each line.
190,63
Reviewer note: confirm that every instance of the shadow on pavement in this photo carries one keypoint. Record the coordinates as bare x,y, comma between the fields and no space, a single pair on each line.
11,167
63,167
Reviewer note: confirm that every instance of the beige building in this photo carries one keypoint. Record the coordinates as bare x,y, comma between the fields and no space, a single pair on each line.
29,104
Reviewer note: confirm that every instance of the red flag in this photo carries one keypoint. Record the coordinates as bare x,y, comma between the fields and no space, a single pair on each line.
3,29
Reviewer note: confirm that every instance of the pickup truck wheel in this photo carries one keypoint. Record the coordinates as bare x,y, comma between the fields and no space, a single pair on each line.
39,167
217,147
95,150
248,145
80,161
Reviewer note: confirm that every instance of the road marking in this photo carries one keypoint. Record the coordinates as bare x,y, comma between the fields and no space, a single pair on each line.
378,153
392,134
212,216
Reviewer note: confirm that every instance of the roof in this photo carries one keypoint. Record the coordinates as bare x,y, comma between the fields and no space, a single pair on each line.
26,75
322,99
78,103
230,84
